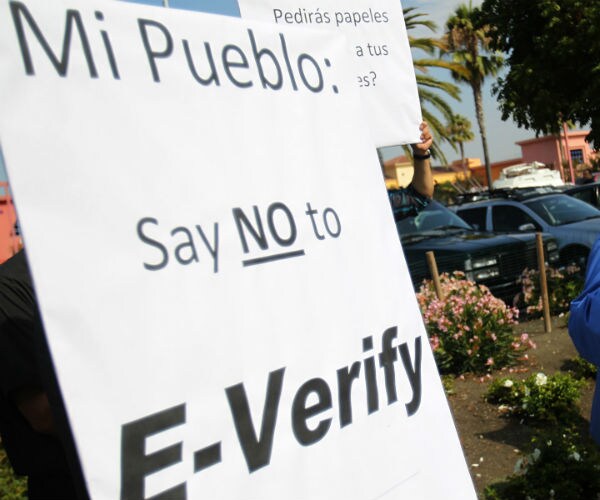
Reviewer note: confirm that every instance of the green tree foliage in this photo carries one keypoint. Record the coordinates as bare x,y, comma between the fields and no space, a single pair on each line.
459,131
553,56
467,43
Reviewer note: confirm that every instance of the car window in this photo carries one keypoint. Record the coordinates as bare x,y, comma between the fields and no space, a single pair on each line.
562,209
434,216
474,216
583,196
509,218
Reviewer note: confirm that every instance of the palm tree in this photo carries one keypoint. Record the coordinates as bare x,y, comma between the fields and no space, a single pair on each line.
467,43
459,131
431,89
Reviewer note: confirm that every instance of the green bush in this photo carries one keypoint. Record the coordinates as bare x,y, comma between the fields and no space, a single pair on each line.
580,368
448,384
11,487
470,330
538,398
562,465
563,286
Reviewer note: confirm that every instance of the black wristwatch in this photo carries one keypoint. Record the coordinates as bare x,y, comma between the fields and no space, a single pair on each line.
425,156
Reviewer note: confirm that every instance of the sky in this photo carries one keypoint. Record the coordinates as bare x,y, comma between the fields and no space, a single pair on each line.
501,135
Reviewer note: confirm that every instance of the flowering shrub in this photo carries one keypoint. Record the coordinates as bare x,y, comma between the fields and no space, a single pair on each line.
538,398
470,330
563,465
563,286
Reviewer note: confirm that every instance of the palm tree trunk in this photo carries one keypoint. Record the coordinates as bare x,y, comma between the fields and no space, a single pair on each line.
479,112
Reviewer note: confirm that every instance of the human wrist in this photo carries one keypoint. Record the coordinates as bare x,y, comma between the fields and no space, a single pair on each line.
418,155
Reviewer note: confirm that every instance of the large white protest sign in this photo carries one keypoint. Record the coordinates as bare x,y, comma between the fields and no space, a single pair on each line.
381,59
223,291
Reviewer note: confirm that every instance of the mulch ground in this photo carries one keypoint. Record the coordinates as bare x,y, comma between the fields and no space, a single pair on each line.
492,443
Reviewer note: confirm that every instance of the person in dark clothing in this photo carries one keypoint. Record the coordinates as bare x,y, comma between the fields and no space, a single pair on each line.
27,425
586,177
413,198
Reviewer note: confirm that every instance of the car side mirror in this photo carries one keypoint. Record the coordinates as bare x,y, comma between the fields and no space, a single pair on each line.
526,228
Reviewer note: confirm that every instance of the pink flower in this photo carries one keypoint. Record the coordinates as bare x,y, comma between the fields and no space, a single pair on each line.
489,362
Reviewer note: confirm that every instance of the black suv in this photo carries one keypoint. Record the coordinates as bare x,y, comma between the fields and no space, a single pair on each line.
490,259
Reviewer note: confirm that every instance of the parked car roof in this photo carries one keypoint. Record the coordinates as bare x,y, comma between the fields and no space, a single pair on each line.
513,194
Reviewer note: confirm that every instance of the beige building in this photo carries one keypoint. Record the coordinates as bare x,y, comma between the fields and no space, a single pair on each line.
398,171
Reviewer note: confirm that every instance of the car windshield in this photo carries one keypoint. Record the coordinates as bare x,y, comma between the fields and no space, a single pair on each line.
562,209
434,216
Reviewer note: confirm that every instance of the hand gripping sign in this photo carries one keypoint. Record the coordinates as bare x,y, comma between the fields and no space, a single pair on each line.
212,247
380,55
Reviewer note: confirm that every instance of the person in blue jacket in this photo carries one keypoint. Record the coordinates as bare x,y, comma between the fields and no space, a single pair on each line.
584,327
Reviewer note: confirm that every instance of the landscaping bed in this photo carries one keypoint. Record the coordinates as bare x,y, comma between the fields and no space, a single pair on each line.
493,443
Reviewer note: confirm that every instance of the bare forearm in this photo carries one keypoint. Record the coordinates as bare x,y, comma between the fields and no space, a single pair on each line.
422,177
